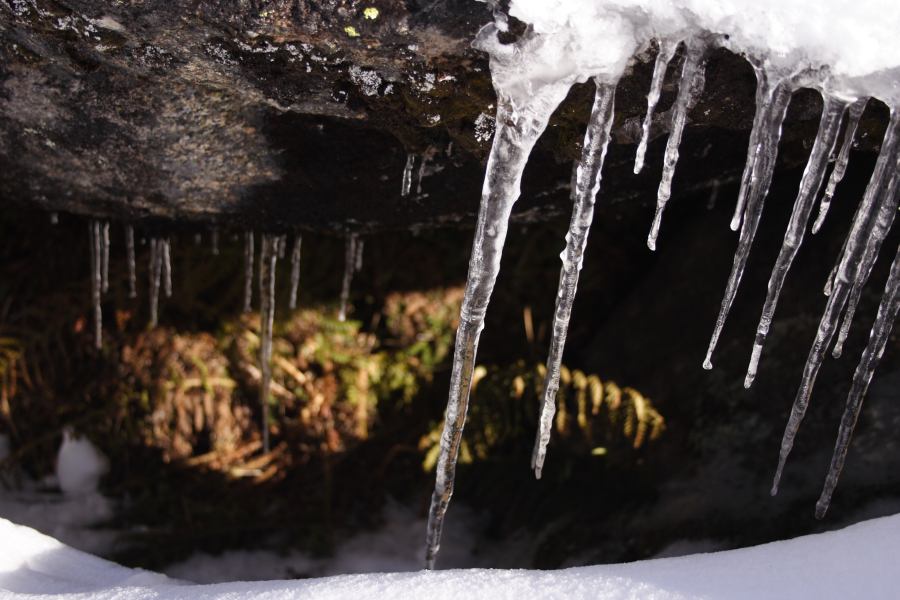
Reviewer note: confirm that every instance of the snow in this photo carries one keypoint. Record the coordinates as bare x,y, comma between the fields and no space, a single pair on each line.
79,465
855,562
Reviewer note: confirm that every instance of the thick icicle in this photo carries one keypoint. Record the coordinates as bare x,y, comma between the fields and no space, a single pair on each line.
350,259
155,272
215,242
771,117
406,185
104,256
295,271
248,271
165,247
689,87
826,138
96,242
518,128
584,194
878,338
268,256
879,200
132,265
854,112
666,51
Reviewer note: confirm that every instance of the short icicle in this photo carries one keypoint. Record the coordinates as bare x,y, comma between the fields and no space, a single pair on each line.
768,136
878,200
104,256
689,87
518,128
268,256
248,271
584,193
350,259
132,263
854,112
406,184
663,57
295,271
810,184
96,247
878,338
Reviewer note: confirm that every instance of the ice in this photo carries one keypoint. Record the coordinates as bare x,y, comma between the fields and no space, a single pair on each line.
54,218
248,271
155,272
350,266
358,261
584,194
854,112
132,264
104,256
406,185
776,96
826,138
214,241
878,200
96,247
663,57
268,257
166,257
878,338
79,465
295,271
690,85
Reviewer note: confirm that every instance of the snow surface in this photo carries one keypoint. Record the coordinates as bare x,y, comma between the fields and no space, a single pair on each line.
856,562
577,39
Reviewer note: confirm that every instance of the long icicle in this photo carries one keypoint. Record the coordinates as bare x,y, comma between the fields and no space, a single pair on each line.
763,98
518,128
268,256
349,267
854,112
764,166
878,338
295,271
132,263
584,195
406,184
104,256
96,247
248,271
813,175
155,276
877,200
688,89
663,57
165,246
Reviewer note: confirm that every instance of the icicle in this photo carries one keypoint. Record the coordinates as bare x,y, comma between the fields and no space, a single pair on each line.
96,241
350,259
155,277
248,271
132,266
688,88
518,128
826,138
878,338
104,256
854,113
295,271
587,177
406,186
165,247
198,239
268,256
421,174
358,262
878,200
215,242
666,51
54,218
772,116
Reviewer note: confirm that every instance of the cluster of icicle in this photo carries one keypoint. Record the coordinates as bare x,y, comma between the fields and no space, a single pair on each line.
272,248
518,128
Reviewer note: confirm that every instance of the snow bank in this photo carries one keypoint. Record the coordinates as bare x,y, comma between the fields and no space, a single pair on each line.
857,562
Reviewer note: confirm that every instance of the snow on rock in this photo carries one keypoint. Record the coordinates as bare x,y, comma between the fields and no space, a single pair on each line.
856,562
79,465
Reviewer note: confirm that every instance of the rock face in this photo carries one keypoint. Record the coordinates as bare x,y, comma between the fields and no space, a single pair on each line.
286,114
